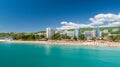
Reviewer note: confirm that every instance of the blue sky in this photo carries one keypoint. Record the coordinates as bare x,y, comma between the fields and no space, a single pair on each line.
36,15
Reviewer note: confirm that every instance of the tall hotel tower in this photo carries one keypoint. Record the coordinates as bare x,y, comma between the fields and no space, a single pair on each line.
76,33
97,32
49,32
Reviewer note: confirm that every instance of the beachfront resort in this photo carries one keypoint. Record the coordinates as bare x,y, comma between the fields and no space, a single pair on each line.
78,36
95,33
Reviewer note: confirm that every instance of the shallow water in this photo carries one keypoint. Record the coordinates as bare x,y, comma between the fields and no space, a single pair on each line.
31,55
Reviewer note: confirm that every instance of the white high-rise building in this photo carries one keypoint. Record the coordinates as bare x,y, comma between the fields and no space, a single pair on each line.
49,32
77,32
105,31
88,34
115,30
70,33
97,32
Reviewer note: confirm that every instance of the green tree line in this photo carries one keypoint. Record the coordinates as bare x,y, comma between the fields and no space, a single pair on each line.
27,37
114,38
59,36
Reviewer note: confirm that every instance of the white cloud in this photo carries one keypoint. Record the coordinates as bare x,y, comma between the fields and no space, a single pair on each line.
113,24
64,22
102,20
71,25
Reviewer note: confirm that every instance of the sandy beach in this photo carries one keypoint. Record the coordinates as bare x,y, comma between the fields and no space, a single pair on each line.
76,43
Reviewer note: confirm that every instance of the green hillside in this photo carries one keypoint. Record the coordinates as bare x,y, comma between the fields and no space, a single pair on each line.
110,29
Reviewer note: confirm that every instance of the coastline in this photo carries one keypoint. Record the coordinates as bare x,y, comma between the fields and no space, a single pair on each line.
72,43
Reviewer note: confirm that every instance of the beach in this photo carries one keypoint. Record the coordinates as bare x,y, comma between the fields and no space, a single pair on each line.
72,43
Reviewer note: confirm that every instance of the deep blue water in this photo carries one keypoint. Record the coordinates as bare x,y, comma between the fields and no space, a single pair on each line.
31,55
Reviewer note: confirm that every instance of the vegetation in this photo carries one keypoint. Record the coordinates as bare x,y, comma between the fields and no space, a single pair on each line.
59,36
82,37
75,38
27,37
110,29
104,34
41,35
101,29
114,38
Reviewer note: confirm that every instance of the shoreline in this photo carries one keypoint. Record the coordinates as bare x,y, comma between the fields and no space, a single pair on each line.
72,43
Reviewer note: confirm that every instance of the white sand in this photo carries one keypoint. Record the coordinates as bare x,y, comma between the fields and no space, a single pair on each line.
97,43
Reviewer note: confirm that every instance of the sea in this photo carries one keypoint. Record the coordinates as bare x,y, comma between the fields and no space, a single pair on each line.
41,55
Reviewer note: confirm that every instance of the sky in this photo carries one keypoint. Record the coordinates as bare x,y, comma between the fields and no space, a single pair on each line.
37,15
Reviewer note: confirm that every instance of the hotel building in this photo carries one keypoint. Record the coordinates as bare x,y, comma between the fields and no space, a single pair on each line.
49,32
105,31
70,33
97,32
76,33
88,34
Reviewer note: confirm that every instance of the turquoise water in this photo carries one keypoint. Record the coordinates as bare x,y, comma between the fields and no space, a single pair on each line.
30,55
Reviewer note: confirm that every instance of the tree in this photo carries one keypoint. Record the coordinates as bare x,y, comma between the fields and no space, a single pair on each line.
30,37
104,34
64,36
113,38
75,38
93,38
118,38
37,37
42,36
81,37
56,36
17,37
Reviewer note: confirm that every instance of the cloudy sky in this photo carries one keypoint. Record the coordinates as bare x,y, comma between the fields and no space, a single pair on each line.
101,20
36,15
